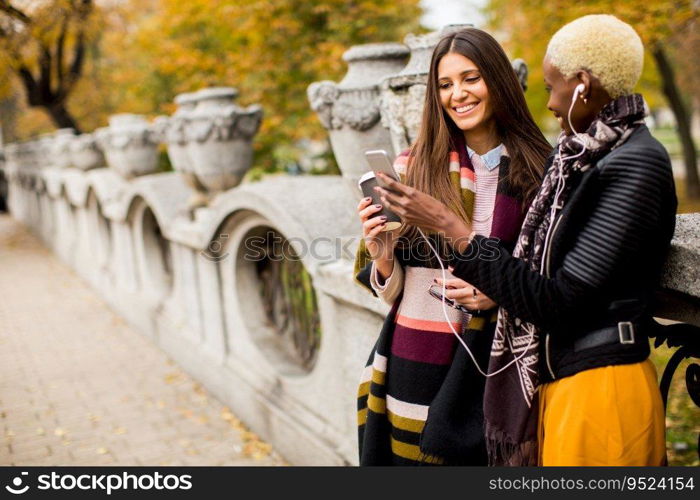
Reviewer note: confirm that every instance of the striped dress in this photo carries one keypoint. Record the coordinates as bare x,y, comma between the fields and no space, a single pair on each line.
417,367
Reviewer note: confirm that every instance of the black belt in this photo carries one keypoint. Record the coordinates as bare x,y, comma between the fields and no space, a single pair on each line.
623,333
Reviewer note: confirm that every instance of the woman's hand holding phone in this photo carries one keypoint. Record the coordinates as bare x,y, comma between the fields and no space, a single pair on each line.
380,244
422,210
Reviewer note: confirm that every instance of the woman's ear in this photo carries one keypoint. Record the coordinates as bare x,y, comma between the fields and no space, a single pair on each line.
584,77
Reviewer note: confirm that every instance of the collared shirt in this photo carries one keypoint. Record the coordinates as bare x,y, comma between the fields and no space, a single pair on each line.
486,184
491,159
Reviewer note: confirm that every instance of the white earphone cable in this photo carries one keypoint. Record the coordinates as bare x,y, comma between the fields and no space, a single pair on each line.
447,319
561,184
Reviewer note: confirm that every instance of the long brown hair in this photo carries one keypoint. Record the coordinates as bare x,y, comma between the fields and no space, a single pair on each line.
428,166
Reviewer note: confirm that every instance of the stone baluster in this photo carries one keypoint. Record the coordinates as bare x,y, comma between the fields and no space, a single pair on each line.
45,150
60,147
86,153
349,110
130,145
173,130
219,141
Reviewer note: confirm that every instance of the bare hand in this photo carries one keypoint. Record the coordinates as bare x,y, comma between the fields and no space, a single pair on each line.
380,244
422,210
467,295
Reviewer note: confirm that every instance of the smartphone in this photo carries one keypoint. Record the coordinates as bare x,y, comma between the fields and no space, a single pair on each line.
379,161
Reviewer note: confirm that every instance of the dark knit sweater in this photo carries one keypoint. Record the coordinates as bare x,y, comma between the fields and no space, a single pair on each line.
607,250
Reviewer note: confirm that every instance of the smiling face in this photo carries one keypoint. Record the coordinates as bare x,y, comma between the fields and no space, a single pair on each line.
463,93
561,91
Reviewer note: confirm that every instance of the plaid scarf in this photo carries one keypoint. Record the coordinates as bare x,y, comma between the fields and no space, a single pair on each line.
510,400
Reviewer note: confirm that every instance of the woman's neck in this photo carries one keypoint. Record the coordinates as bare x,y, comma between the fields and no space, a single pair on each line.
483,139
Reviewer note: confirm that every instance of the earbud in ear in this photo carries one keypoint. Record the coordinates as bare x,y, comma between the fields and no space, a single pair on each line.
579,88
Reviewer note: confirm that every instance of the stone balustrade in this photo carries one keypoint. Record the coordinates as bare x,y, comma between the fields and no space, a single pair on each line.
249,286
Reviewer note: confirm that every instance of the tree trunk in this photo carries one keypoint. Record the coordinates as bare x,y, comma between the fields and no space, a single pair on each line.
678,107
61,116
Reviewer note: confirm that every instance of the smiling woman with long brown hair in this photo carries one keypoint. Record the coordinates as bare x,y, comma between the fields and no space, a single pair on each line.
480,153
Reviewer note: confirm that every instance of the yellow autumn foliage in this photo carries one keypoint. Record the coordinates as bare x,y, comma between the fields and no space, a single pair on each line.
525,27
269,50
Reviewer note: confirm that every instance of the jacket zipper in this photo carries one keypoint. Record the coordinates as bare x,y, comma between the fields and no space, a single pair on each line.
549,254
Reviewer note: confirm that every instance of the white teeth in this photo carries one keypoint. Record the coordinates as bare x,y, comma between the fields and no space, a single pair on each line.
463,109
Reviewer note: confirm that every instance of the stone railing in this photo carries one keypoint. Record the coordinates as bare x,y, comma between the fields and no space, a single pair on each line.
249,287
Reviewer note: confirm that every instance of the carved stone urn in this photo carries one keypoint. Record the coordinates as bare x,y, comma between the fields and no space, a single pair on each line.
86,153
45,150
173,131
219,138
130,145
403,94
13,161
60,147
349,110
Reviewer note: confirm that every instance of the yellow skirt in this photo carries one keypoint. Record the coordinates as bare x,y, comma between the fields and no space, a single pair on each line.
611,415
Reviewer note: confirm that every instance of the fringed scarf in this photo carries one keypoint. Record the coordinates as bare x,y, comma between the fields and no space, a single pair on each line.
510,400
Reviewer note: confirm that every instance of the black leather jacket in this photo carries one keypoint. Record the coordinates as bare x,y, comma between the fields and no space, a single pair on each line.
593,304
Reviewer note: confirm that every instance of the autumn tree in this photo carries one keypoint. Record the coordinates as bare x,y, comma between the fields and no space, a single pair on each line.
270,50
527,26
44,45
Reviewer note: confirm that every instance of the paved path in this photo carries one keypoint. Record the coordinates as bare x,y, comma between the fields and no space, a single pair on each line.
78,386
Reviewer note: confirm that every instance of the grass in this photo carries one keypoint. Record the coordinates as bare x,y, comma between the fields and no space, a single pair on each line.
685,205
669,138
682,416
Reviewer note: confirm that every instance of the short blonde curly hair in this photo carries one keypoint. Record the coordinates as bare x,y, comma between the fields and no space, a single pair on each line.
602,44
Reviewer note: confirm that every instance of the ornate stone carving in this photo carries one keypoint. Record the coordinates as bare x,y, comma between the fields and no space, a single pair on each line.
45,147
173,131
521,72
130,145
322,97
86,153
349,110
219,138
60,147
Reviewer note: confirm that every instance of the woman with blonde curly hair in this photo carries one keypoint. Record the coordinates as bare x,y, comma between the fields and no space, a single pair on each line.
572,381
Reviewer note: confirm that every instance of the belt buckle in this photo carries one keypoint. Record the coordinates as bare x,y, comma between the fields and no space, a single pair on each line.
626,332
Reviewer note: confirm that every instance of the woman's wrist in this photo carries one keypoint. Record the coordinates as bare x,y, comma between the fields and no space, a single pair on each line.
458,233
385,266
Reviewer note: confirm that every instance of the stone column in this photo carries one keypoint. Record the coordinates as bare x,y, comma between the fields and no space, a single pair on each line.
349,110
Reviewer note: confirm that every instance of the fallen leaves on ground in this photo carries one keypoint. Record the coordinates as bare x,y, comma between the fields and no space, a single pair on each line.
253,446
